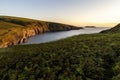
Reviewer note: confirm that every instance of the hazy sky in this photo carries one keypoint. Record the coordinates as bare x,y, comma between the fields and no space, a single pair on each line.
76,12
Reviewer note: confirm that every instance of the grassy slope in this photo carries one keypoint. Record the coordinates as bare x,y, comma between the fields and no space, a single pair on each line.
7,30
18,19
83,57
6,27
113,30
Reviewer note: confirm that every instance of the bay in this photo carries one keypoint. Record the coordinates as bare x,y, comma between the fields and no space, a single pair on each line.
53,36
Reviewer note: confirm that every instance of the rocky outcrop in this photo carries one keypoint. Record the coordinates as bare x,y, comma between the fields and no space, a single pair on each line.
22,36
29,32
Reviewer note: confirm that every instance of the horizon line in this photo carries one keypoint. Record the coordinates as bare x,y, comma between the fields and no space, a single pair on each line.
79,24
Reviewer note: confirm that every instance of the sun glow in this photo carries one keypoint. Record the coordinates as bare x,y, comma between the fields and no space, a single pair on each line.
104,13
107,15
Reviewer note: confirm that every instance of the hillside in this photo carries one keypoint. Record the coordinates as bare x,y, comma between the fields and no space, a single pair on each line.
113,30
82,57
16,30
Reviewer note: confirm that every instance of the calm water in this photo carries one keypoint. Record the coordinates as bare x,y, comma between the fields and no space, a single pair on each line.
52,36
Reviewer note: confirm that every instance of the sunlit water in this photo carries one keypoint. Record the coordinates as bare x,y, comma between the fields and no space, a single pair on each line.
53,36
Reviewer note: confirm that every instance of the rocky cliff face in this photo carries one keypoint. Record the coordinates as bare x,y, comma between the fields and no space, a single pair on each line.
23,36
20,35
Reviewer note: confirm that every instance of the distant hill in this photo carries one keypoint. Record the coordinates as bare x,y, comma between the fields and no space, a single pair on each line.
112,30
90,26
16,30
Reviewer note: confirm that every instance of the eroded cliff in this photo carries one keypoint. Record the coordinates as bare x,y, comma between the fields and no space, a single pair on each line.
16,30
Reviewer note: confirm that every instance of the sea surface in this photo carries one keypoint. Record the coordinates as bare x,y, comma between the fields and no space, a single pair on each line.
53,36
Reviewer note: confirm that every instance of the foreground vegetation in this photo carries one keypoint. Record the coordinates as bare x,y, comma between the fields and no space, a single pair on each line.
83,57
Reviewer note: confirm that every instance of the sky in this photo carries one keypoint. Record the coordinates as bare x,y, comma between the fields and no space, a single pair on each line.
102,13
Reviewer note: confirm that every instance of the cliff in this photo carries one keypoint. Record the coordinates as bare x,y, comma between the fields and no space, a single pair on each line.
15,30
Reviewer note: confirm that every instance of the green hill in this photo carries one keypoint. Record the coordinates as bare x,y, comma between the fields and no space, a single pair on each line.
82,57
113,30
16,30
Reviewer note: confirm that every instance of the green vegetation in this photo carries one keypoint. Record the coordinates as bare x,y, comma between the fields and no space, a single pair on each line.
115,29
83,57
20,21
